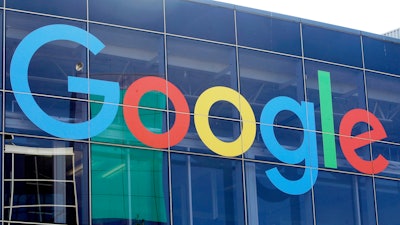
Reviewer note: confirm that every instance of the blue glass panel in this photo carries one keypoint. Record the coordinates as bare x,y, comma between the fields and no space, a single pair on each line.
381,55
287,138
347,87
387,201
68,111
1,56
53,62
332,46
392,154
383,102
342,163
267,33
128,56
200,20
49,178
206,190
195,66
344,199
268,205
224,130
264,76
71,8
145,14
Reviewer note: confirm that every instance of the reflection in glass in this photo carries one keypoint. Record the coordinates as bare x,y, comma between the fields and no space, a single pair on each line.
264,76
332,46
145,14
332,194
392,154
224,130
45,181
268,33
206,190
387,201
68,111
128,55
129,186
268,205
194,66
200,20
381,55
347,92
53,62
384,102
70,8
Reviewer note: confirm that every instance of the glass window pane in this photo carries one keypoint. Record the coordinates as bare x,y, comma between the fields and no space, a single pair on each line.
145,14
289,139
224,130
392,154
344,199
129,186
191,63
384,102
381,55
53,62
128,56
332,46
268,205
46,181
200,20
324,158
347,86
118,132
264,76
69,111
387,199
71,8
206,190
268,33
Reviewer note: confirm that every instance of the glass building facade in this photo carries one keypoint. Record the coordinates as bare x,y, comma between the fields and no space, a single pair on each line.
193,138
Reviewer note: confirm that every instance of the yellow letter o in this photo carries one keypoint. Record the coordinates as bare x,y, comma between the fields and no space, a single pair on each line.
202,110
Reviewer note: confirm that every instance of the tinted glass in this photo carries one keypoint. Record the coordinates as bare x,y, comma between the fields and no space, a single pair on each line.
332,194
268,205
333,46
325,153
69,111
200,21
387,198
46,181
392,154
206,190
264,76
347,93
383,102
52,63
267,33
145,14
222,129
195,66
289,139
129,186
381,55
72,8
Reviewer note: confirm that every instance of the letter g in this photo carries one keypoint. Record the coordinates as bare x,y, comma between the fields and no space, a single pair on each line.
19,83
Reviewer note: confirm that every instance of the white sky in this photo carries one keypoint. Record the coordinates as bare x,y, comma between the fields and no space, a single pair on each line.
375,16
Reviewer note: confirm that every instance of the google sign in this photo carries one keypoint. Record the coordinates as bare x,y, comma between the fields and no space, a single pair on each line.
306,152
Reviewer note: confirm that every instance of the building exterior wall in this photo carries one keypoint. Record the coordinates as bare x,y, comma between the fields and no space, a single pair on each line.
192,113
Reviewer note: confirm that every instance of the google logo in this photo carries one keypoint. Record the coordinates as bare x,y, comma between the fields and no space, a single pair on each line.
306,152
